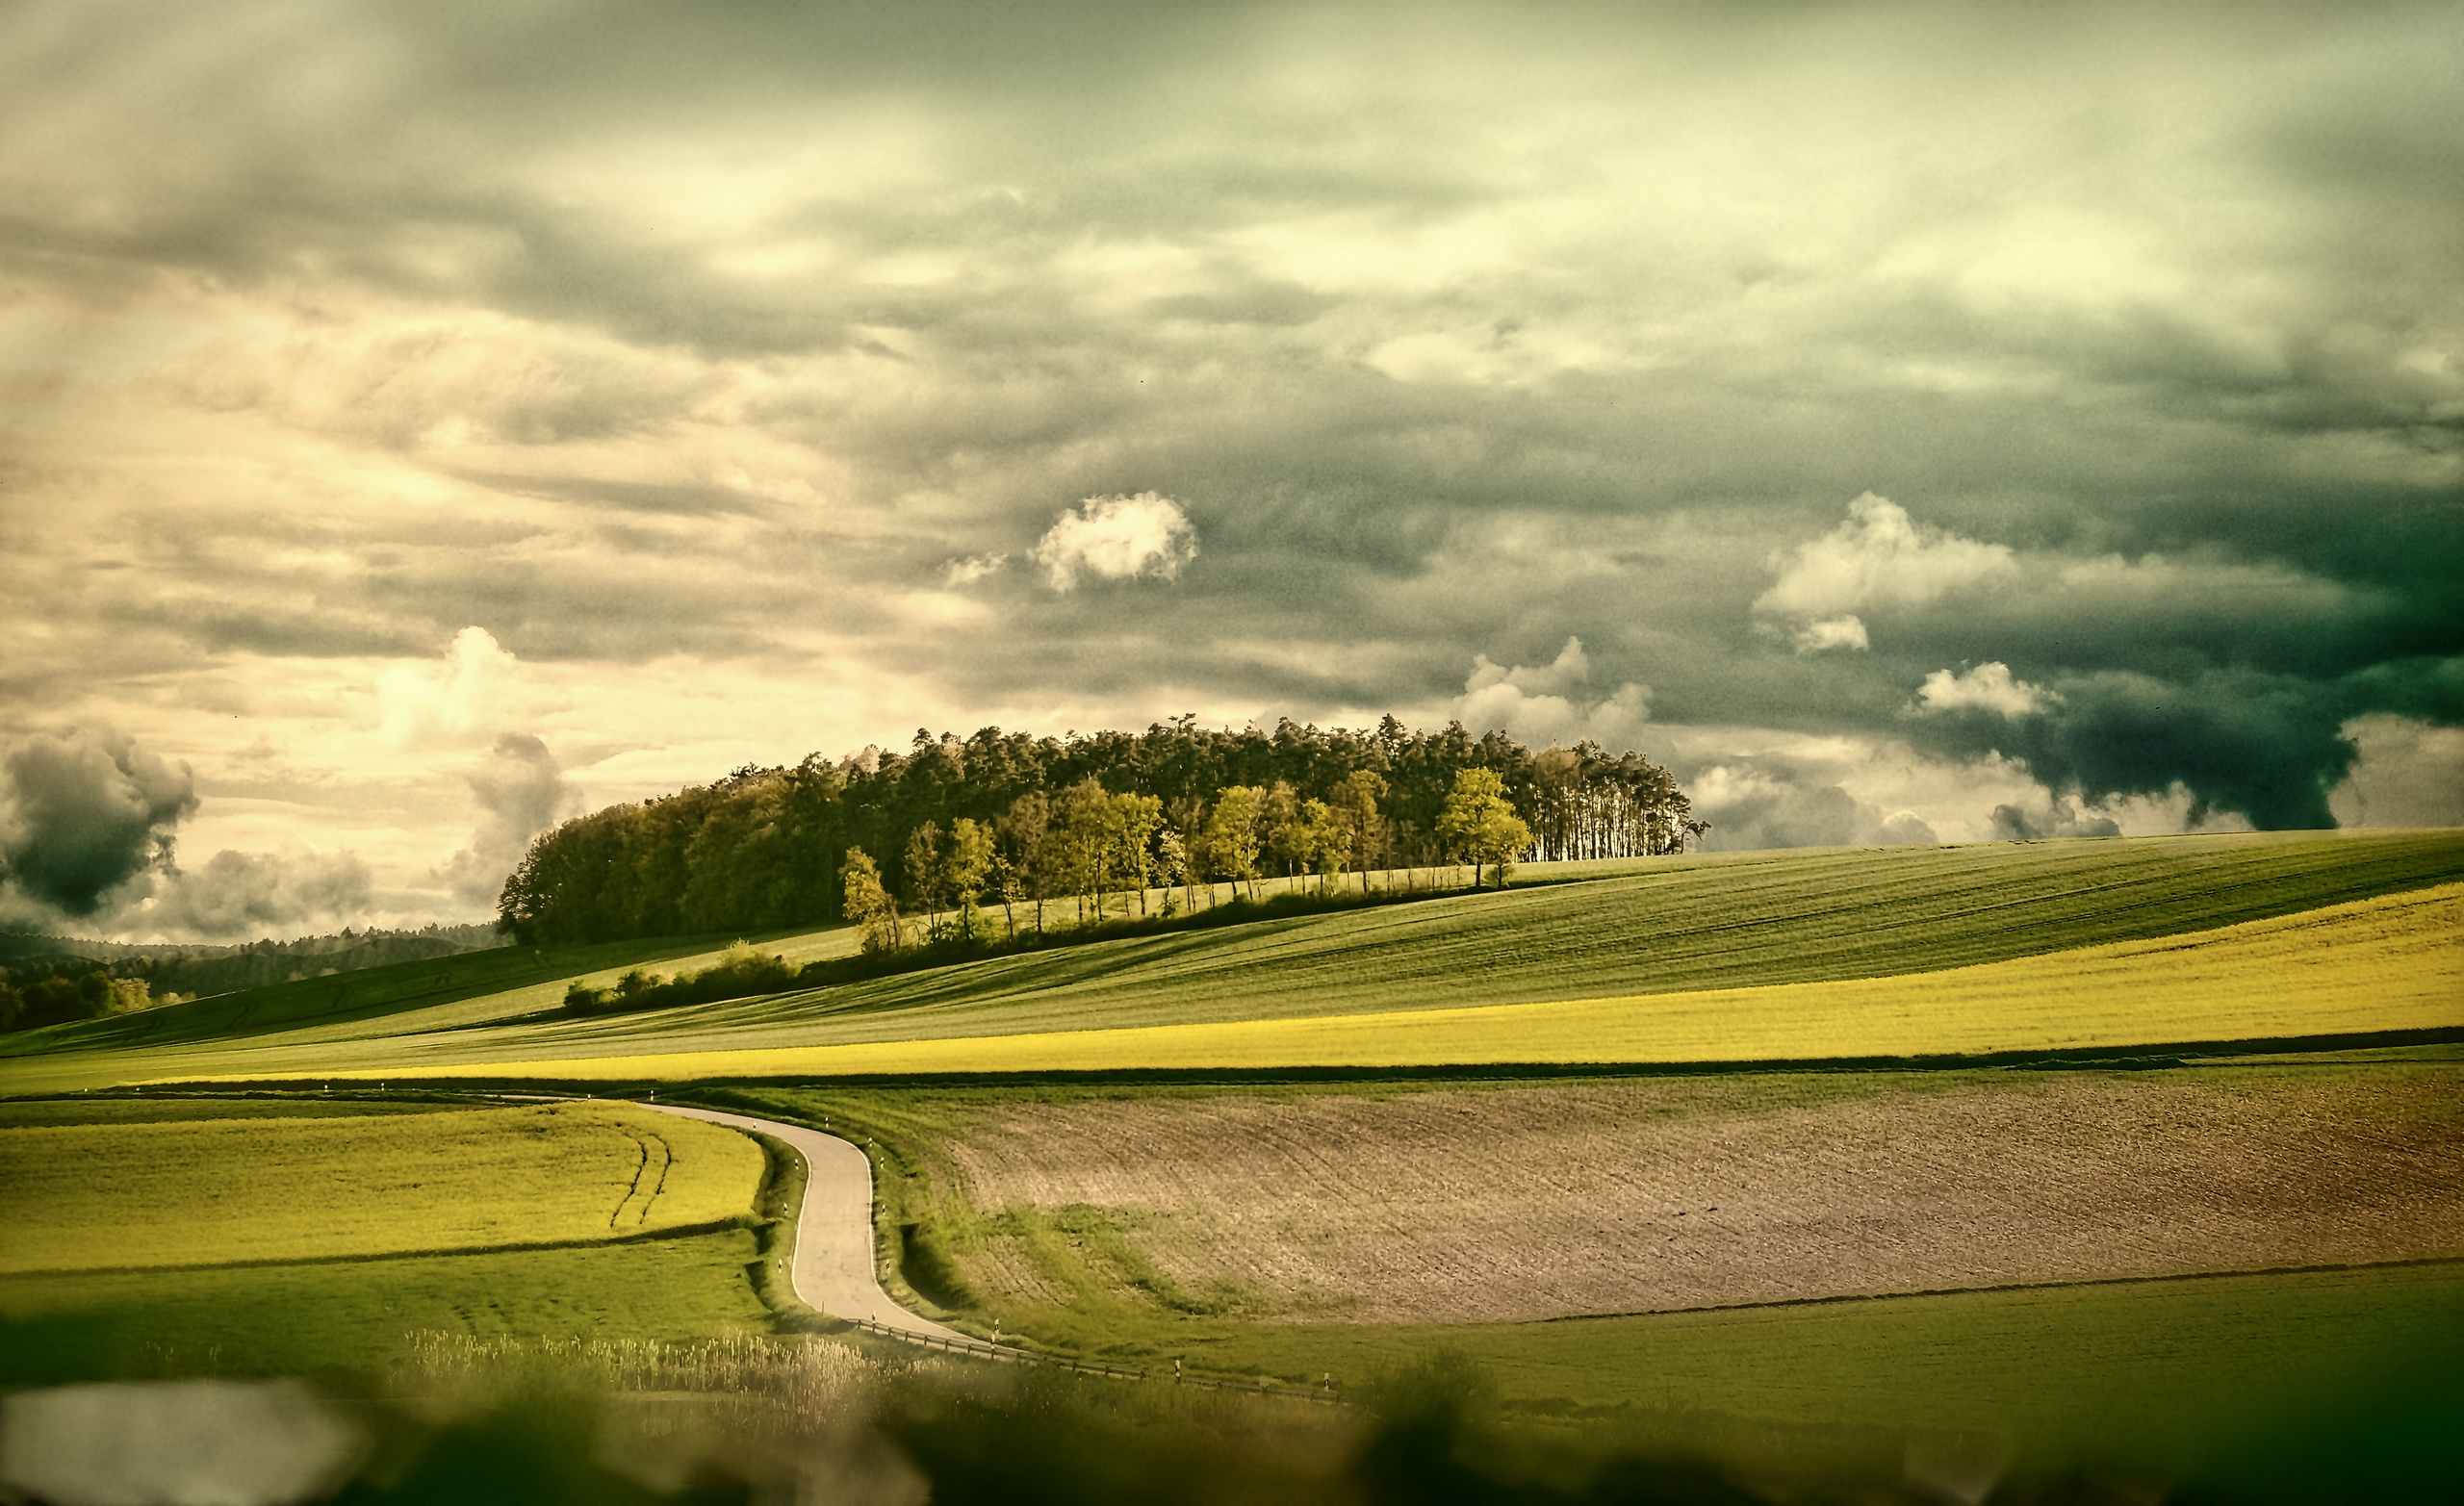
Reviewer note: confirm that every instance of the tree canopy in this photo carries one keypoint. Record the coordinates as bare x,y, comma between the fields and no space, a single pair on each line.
1094,820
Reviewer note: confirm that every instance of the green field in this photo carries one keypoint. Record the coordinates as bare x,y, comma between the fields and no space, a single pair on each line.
263,1235
215,1191
1669,926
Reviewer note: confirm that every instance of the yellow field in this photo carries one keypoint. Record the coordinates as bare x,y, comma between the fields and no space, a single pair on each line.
2390,963
195,1192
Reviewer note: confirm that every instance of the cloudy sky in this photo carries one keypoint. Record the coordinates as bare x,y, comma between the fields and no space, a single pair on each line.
426,420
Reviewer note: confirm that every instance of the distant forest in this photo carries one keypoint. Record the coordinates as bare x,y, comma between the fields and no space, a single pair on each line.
50,980
1018,819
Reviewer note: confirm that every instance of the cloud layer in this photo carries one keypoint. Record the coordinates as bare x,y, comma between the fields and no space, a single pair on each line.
1938,409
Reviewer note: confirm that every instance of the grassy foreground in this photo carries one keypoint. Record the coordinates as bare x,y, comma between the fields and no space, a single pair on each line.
353,1318
2145,1367
2387,964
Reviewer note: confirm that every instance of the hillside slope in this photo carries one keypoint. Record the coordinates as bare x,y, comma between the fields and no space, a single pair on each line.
1671,927
2389,964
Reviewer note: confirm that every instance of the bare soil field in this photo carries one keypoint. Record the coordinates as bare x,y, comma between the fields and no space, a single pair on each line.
1515,1202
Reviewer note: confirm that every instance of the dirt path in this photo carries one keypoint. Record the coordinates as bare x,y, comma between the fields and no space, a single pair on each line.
833,1265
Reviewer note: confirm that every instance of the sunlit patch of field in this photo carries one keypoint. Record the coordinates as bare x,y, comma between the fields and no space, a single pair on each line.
2388,964
218,1190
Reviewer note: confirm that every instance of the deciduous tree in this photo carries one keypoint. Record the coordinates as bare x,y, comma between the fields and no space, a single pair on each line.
867,904
1478,824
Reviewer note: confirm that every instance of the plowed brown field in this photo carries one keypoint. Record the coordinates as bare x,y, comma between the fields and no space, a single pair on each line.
1518,1202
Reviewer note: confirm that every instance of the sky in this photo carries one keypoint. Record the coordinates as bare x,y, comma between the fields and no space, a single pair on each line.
421,422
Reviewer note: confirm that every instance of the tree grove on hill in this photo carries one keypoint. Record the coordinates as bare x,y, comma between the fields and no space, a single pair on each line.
1089,822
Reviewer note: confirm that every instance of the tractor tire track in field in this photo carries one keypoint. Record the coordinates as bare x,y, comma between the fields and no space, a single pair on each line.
654,1152
833,1268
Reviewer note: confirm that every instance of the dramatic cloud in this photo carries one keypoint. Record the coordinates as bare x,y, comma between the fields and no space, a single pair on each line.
1116,538
87,828
694,389
1988,687
82,814
521,792
1879,557
2266,747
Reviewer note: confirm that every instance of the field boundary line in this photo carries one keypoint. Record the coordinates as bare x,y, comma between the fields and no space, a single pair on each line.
2169,1278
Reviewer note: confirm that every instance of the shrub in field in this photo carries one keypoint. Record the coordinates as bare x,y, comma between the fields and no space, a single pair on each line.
741,973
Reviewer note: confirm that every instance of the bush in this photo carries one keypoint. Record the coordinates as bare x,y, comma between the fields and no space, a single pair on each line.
740,973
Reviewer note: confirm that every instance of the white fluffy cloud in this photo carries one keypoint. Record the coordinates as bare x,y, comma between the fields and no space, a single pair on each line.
421,701
1844,631
1546,704
1116,538
1988,687
1878,556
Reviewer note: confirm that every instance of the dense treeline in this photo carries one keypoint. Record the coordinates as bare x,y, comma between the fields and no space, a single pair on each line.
1023,822
198,968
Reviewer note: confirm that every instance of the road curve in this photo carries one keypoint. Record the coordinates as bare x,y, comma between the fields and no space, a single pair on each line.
833,1265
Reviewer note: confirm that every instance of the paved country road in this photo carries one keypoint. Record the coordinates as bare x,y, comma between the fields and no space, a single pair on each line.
833,1265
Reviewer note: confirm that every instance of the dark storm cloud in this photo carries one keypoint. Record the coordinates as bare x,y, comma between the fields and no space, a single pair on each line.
81,814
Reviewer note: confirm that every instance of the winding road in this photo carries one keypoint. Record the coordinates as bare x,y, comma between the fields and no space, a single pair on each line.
834,1263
